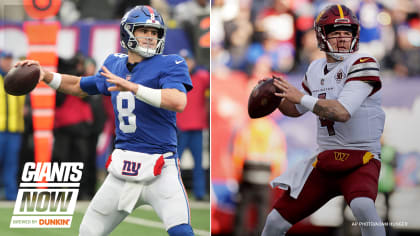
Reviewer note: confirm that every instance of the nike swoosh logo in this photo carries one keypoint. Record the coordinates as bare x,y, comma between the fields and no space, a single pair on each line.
177,62
363,60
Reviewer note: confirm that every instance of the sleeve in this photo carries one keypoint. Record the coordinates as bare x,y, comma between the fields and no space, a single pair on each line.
176,73
96,84
88,84
175,85
365,69
353,95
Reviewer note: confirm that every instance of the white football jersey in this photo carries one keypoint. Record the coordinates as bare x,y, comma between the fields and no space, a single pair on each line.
364,129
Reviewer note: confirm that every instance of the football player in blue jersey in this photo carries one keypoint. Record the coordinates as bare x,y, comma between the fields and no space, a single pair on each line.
146,89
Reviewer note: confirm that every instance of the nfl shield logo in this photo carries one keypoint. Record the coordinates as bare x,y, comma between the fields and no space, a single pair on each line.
128,77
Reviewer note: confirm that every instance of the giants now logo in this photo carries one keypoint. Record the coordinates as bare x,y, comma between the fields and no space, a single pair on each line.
47,195
131,168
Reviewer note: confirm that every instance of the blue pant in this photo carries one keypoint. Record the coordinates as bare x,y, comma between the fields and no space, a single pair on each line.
194,141
9,161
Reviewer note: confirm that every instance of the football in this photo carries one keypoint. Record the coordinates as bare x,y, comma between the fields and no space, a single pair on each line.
262,100
22,79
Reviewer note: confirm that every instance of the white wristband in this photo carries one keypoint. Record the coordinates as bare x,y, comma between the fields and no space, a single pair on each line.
308,102
56,81
150,96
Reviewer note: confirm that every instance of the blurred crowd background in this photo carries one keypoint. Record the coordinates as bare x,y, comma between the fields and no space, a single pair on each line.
84,128
244,32
251,40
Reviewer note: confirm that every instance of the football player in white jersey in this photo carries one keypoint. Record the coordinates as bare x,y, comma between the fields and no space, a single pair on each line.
343,90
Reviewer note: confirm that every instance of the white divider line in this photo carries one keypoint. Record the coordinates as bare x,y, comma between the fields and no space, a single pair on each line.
7,204
193,205
140,221
200,205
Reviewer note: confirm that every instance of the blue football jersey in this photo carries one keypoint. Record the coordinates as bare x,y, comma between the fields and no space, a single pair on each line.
139,126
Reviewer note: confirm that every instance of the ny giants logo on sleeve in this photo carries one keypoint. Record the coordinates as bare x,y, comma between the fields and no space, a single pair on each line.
131,168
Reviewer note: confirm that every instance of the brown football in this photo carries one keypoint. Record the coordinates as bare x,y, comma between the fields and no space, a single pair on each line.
262,100
22,79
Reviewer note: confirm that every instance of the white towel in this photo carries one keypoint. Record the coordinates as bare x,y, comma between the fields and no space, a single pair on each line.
129,196
295,177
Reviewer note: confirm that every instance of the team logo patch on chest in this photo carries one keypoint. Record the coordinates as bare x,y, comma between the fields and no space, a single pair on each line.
339,76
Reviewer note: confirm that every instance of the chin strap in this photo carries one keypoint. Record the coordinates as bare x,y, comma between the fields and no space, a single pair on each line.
145,52
339,56
149,52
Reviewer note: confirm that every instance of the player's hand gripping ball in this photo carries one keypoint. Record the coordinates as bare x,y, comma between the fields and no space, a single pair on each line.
262,100
22,79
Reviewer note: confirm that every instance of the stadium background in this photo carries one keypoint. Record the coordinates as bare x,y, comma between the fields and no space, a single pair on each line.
255,39
90,29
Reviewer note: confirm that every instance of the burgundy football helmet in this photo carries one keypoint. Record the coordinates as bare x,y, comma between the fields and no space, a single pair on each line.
336,17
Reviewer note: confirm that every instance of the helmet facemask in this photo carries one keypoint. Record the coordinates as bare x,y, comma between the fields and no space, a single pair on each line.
332,18
135,45
146,17
340,54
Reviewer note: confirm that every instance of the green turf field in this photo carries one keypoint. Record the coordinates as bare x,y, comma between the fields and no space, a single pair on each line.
143,221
